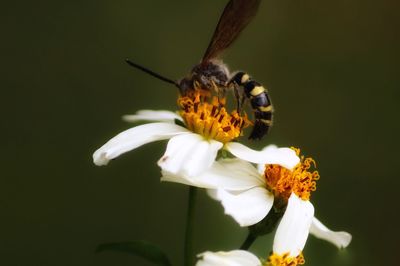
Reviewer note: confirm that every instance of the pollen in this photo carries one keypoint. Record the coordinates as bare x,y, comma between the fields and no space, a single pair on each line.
284,260
210,118
301,180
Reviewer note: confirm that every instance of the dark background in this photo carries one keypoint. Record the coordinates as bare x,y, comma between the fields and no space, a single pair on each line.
332,71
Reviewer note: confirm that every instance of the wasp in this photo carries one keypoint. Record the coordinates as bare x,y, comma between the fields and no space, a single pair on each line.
211,74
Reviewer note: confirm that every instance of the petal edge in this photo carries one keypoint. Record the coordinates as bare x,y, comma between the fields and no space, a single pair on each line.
133,138
340,239
152,115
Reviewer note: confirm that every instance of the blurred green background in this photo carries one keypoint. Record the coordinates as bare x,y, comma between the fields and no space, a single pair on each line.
332,68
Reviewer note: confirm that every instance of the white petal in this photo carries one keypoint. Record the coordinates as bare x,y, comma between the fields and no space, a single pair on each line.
340,239
228,174
269,148
261,168
167,176
246,207
293,230
189,155
151,115
283,156
233,174
135,137
212,193
231,258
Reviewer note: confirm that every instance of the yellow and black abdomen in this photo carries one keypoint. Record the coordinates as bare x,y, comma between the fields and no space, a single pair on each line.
262,107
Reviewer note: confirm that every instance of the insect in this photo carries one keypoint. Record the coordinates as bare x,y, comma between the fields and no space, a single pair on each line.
211,74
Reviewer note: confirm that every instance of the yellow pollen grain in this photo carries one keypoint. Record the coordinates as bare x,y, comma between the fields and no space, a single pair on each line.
284,260
210,118
301,180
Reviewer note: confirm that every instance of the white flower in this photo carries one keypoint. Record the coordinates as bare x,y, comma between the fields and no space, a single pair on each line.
236,174
242,189
249,194
230,258
290,238
187,153
289,241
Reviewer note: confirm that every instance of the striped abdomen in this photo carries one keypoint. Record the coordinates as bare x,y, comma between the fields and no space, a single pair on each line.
262,107
259,100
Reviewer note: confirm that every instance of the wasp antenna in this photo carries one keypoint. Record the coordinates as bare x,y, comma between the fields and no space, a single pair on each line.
152,73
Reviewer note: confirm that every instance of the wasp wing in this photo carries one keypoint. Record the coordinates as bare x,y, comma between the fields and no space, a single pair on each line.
237,14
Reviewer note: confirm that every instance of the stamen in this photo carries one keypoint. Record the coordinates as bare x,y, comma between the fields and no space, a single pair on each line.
282,182
210,119
214,108
226,129
285,260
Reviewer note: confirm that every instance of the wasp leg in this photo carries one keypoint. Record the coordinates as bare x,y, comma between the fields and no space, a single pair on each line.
221,93
243,99
240,99
237,97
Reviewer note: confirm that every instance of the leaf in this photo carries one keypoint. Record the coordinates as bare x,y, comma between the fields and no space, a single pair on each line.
142,249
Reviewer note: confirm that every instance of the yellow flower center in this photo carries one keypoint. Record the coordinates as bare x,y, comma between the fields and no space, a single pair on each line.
211,120
282,182
285,260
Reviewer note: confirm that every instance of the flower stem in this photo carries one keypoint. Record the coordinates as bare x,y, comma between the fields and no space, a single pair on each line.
248,241
188,248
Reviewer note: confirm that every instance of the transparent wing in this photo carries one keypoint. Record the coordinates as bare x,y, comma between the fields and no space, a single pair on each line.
237,14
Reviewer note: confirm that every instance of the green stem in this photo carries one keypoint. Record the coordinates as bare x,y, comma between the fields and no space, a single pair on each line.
188,248
248,241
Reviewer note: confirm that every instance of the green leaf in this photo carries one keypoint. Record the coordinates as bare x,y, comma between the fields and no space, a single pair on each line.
142,249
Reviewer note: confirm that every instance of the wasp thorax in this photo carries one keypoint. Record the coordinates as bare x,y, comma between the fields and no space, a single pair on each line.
212,76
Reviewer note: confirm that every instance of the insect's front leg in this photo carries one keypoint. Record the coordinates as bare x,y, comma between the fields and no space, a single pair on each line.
239,94
221,93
